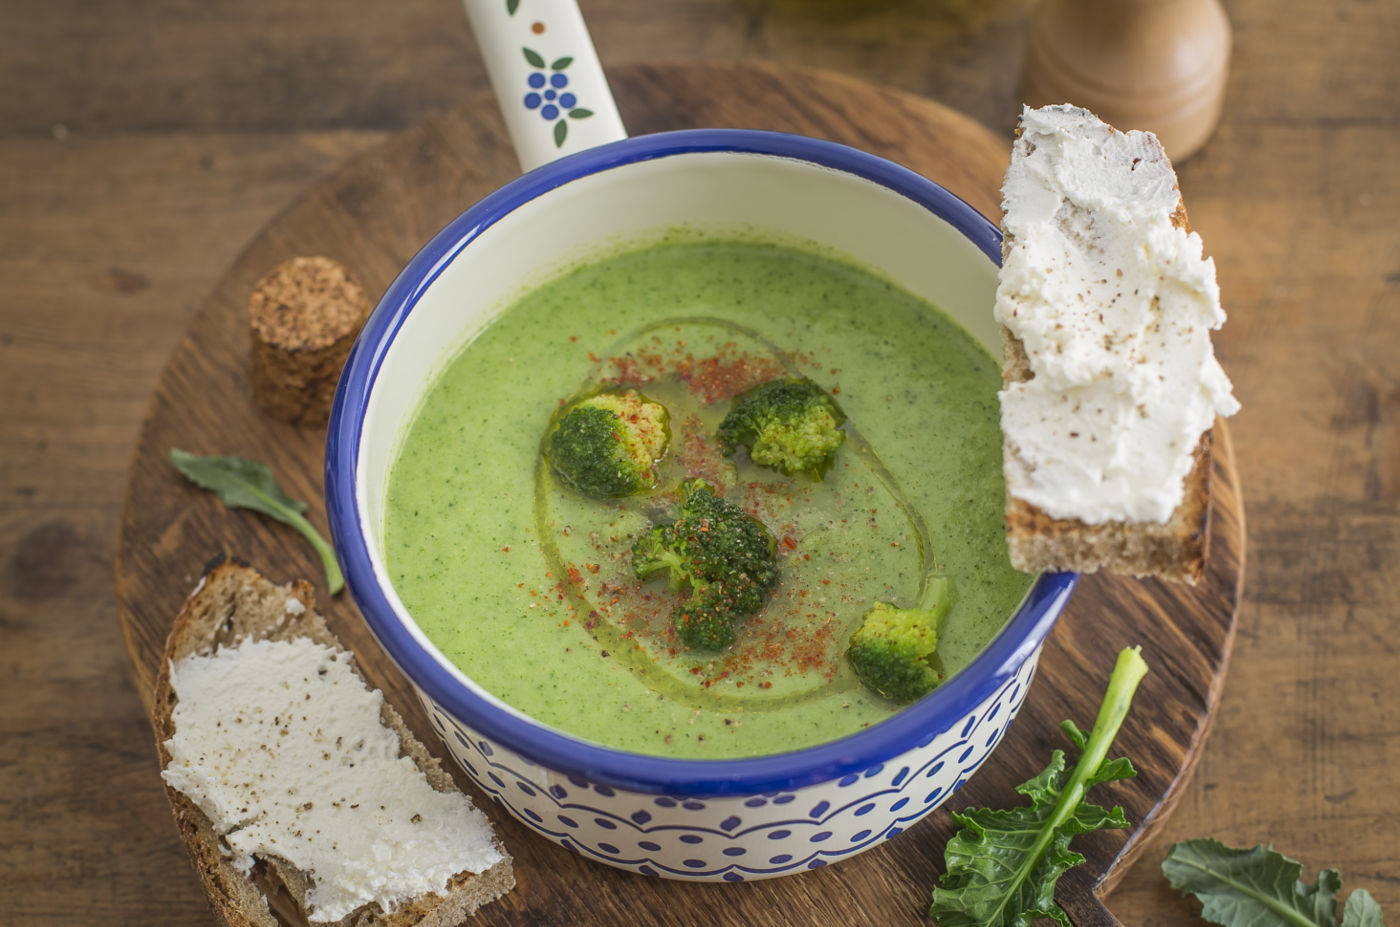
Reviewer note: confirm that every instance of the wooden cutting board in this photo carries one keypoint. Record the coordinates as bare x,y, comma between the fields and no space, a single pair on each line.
373,215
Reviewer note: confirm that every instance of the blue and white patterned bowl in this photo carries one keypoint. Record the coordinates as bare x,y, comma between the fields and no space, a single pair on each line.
730,820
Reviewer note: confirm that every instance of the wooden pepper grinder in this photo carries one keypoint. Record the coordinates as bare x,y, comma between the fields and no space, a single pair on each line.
1158,65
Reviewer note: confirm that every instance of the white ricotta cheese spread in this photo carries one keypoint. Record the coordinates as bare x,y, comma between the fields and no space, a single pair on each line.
1114,306
280,744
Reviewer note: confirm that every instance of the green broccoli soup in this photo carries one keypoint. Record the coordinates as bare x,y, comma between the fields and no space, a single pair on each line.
524,572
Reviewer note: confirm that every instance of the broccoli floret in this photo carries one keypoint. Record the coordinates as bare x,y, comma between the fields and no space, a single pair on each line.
895,650
609,444
788,425
722,558
705,623
658,550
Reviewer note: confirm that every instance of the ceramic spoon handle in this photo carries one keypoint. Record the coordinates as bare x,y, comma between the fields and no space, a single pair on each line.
546,75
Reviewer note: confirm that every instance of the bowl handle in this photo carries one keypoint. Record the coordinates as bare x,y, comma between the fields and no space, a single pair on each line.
546,76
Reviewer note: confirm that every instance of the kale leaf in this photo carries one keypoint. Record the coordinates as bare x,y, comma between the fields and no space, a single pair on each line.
244,484
1002,865
1256,886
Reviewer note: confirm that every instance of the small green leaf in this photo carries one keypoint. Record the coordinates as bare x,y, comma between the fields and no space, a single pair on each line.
1001,867
534,57
561,132
561,63
1121,768
1362,910
512,6
579,112
1073,732
1258,885
245,484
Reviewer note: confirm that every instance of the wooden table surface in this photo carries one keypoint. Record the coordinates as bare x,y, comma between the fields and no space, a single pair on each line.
142,144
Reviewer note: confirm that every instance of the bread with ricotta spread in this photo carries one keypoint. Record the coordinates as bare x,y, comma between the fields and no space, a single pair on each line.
1110,384
232,611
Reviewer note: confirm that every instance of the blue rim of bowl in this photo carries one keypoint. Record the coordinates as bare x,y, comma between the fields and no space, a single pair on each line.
941,710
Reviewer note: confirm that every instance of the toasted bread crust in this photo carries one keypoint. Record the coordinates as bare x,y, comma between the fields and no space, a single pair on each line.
232,602
1175,550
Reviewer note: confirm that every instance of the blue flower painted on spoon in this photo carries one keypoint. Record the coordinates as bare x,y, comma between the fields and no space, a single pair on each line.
548,95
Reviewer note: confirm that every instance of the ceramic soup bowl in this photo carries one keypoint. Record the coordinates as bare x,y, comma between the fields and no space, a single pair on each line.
730,820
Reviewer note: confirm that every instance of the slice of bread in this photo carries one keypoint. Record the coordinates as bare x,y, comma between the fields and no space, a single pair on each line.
1176,550
234,603
1173,549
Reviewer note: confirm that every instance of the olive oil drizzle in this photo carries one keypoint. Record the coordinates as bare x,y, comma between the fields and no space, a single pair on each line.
609,636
